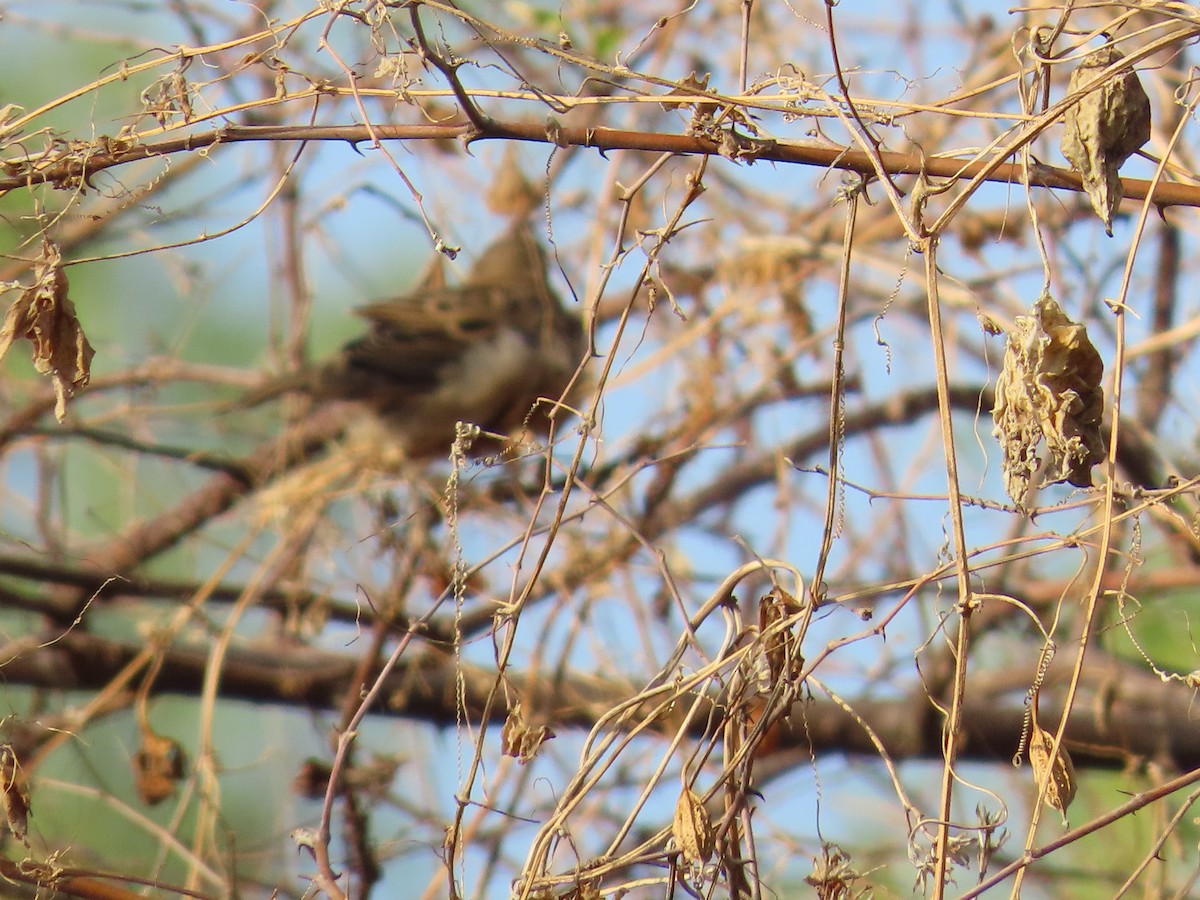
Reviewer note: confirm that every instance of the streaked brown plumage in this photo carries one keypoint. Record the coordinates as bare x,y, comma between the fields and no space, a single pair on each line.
483,353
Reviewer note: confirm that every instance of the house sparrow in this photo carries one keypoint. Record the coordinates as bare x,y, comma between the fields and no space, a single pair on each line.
498,352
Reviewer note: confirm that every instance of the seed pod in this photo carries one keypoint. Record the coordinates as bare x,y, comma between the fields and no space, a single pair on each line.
1059,779
1107,126
692,829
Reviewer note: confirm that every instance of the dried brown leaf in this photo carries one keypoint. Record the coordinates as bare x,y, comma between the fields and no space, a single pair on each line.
158,765
312,778
45,316
687,90
520,740
1107,126
692,829
1049,388
14,794
834,877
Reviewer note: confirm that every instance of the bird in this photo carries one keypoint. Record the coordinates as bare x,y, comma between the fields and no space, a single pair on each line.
499,351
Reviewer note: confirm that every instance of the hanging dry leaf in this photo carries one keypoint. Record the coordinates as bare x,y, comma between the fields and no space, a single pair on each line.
45,316
1106,127
833,875
14,794
158,766
1049,387
692,829
522,741
1059,779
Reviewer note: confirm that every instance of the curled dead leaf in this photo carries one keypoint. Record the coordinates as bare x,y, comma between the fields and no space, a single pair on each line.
45,316
14,794
1107,126
1049,388
988,324
520,740
834,875
306,838
312,779
687,90
158,765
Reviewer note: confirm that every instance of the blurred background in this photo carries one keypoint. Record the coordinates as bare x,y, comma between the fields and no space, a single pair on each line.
195,601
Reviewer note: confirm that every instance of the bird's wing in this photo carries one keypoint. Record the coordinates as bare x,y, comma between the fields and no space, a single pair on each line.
467,314
413,338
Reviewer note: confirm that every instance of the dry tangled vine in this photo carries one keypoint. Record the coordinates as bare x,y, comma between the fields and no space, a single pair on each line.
769,609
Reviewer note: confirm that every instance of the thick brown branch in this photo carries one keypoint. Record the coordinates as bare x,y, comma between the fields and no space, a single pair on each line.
70,171
1131,716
